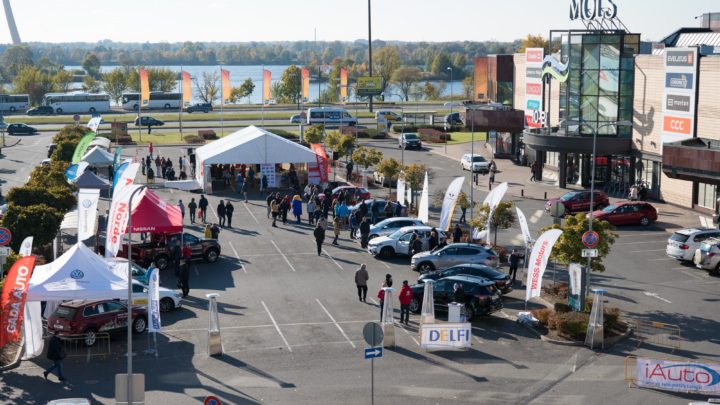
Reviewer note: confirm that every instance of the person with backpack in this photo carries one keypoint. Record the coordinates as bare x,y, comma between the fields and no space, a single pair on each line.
56,353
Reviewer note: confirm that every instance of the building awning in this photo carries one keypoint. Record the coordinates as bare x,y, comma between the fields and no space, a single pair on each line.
694,159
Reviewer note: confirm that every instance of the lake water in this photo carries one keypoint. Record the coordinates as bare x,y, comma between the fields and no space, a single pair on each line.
238,74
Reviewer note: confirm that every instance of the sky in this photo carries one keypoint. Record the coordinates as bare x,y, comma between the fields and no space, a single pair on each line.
344,20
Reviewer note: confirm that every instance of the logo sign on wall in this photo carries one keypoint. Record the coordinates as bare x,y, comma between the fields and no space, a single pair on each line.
534,116
679,97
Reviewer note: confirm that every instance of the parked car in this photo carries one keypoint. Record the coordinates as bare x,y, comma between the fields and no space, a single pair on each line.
118,265
707,256
579,201
389,115
169,299
453,254
86,319
481,296
51,149
298,118
398,242
41,110
380,204
199,107
502,280
21,129
390,225
146,121
478,163
159,249
453,119
357,193
410,140
683,243
627,213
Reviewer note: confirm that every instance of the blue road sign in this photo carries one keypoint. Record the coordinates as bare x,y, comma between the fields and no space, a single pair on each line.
373,352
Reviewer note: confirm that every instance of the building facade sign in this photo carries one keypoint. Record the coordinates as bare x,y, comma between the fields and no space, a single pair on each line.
534,115
592,9
679,96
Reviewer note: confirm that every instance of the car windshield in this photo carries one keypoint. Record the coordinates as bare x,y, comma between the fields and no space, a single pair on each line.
679,237
568,196
478,159
411,136
381,223
397,234
65,312
609,208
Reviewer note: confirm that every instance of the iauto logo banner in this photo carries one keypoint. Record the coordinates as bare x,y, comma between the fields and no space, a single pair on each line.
678,376
679,102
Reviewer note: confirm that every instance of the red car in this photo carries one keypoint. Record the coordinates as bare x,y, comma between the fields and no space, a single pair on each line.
579,201
628,213
86,319
358,193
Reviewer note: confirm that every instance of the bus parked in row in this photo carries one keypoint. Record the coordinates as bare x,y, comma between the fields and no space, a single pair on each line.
158,100
14,102
77,103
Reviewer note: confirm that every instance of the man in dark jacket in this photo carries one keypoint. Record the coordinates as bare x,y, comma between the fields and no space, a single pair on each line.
364,232
177,256
514,261
221,213
203,207
185,278
56,353
457,233
229,209
192,207
319,234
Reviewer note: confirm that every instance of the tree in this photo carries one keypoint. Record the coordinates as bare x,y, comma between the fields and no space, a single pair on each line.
207,88
115,84
568,248
431,92
314,134
390,169
533,41
30,80
66,140
91,85
502,217
59,197
339,143
440,65
404,78
415,177
366,157
469,87
63,79
159,79
40,221
91,65
16,58
245,90
289,87
386,61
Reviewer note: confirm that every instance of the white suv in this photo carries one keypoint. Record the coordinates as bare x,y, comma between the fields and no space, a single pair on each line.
398,242
478,163
708,256
682,244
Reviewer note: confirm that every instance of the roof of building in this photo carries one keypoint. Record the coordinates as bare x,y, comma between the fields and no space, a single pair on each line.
692,37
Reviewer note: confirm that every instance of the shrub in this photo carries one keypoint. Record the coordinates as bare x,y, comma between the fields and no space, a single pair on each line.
433,135
193,139
542,315
562,307
573,325
559,290
611,318
56,197
286,134
207,134
414,128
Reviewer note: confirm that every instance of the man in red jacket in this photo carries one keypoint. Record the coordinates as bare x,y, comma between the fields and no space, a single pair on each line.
406,295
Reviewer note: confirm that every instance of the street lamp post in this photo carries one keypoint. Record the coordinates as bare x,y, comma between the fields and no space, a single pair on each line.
129,304
451,103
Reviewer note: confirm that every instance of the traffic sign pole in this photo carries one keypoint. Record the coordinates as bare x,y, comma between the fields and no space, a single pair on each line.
373,334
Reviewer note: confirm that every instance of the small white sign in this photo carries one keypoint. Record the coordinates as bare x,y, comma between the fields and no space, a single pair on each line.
589,253
5,251
445,336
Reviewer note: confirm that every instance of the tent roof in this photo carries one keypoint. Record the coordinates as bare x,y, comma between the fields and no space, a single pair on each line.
78,274
98,156
91,180
151,214
70,220
100,141
253,145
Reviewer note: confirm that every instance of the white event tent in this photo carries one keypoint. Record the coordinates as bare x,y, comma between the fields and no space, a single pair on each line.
251,145
98,156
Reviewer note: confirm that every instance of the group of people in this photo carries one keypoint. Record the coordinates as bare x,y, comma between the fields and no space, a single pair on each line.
405,295
164,167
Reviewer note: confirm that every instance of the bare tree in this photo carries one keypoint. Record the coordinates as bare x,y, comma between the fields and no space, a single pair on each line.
207,88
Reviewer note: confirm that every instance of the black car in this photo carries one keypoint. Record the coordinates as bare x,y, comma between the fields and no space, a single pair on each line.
42,110
148,122
199,107
481,296
453,119
21,129
380,204
502,280
409,141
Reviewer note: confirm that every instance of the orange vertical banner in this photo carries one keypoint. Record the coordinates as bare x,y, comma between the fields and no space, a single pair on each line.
12,300
480,79
144,88
225,84
343,85
305,73
267,77
186,89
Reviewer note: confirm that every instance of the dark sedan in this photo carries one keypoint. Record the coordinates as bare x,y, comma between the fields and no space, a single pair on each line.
502,280
199,107
41,110
148,122
21,129
480,295
379,204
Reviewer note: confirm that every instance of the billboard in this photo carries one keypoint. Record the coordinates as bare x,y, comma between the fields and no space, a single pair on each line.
369,86
678,376
679,96
534,116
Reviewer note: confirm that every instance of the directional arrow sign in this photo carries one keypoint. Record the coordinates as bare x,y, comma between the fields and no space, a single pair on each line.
373,352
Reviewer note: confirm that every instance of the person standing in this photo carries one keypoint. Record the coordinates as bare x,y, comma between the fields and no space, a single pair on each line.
381,294
176,256
352,222
364,233
319,234
311,205
151,149
533,171
374,211
284,208
229,209
268,201
221,213
157,163
182,209
514,261
361,279
192,207
433,240
263,183
215,231
405,296
297,207
457,233
250,178
239,181
275,208
185,271
163,167
349,169
389,210
142,166
203,207
56,353
336,230
243,190
150,175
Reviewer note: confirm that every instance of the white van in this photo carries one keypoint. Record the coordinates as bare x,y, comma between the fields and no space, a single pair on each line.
389,115
330,116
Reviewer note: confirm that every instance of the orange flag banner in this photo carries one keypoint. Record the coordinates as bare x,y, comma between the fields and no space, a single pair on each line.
267,77
226,87
305,73
186,89
144,88
343,85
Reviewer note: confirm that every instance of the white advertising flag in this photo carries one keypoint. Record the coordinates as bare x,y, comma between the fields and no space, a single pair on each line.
94,123
127,177
154,301
408,195
26,246
32,330
524,226
575,278
87,212
493,199
538,261
448,205
424,207
400,192
117,220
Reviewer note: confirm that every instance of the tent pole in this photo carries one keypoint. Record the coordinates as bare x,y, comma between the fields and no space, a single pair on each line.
129,295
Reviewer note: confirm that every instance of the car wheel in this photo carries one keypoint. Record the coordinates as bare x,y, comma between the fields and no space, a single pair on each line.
644,221
167,304
211,256
162,262
167,106
59,111
90,337
387,252
426,267
139,324
470,312
716,271
415,305
12,109
92,110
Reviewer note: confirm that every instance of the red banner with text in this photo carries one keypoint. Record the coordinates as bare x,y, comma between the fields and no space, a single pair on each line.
12,300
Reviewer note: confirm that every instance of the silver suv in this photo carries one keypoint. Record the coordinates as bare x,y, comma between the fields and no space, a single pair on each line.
708,256
452,255
390,225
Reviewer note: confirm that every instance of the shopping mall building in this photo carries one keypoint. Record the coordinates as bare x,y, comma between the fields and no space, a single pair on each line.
601,79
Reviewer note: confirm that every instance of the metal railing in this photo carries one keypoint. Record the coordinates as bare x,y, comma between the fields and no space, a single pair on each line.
76,347
657,333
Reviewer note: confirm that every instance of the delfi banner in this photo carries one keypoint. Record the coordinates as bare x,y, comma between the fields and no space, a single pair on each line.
225,86
448,204
445,336
116,157
154,324
144,88
524,226
267,78
679,376
87,212
424,206
343,85
186,89
82,147
305,74
118,219
538,261
322,161
12,300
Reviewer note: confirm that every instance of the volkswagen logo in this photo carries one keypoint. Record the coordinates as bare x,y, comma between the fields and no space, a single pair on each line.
87,203
77,274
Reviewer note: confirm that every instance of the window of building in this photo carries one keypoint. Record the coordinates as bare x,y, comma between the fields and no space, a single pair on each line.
707,196
552,159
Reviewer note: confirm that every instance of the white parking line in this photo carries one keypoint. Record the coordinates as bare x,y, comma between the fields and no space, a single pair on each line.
336,324
660,258
237,256
213,212
535,216
331,258
659,234
251,214
283,255
647,250
695,276
277,328
408,333
655,295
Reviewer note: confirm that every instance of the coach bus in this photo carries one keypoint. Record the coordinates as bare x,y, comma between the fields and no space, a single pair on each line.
77,103
158,100
14,102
